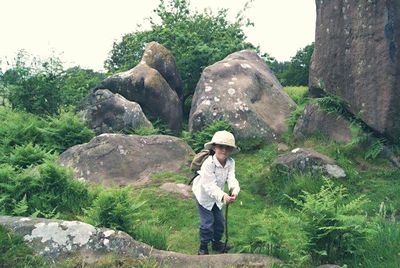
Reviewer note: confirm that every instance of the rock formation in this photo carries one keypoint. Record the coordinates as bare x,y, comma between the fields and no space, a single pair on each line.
243,91
357,57
108,113
150,89
58,239
126,159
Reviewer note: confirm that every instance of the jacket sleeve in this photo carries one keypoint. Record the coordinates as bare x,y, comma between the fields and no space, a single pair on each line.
209,180
233,183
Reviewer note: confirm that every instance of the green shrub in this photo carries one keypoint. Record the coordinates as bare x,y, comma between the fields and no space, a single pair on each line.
333,104
52,134
17,129
155,236
15,253
7,185
198,139
113,208
66,130
47,190
279,234
251,144
335,224
25,155
144,131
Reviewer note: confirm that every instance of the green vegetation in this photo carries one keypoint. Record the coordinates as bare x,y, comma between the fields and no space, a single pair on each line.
43,86
15,253
197,140
296,71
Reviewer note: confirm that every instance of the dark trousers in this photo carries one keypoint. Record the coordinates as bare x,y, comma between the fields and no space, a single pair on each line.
211,224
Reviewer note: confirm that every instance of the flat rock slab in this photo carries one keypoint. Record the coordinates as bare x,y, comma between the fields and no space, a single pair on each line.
58,239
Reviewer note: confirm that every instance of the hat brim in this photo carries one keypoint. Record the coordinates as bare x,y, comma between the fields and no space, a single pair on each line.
210,144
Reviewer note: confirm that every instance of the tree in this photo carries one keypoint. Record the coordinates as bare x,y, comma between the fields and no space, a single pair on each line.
196,39
33,87
76,84
295,73
43,86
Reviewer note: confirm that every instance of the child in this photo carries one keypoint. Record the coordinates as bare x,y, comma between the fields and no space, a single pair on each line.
208,189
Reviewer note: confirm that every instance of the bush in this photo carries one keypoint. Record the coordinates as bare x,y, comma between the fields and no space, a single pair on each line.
26,155
198,139
334,224
66,130
280,234
113,208
45,191
52,134
42,87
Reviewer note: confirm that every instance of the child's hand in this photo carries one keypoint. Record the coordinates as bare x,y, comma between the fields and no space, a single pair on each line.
229,199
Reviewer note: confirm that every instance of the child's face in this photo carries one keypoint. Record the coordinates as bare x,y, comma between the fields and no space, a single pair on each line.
222,152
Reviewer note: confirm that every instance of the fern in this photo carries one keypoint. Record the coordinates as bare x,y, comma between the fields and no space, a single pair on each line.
21,207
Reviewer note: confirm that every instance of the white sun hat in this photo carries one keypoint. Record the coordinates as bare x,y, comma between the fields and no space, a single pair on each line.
222,138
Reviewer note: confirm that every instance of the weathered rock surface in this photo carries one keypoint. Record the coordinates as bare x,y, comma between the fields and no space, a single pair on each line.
161,59
357,58
301,159
57,239
108,112
126,159
315,120
243,91
148,87
183,190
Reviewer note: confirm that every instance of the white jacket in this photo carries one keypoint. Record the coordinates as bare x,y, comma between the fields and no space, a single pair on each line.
208,186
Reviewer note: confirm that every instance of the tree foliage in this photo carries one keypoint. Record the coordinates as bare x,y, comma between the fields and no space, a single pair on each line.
43,86
196,39
295,72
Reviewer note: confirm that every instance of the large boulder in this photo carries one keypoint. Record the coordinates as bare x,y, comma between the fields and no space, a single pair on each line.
108,112
147,86
126,159
315,120
242,90
357,58
308,160
161,59
57,240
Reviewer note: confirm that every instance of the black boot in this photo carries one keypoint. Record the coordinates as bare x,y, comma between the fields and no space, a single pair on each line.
219,247
203,250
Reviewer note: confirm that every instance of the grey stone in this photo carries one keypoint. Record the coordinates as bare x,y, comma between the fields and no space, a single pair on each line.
108,112
148,87
315,120
308,160
357,58
126,159
242,90
58,239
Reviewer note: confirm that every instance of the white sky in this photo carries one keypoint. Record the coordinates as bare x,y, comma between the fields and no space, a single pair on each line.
81,32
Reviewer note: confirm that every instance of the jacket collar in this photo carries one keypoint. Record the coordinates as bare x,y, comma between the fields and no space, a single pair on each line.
218,164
